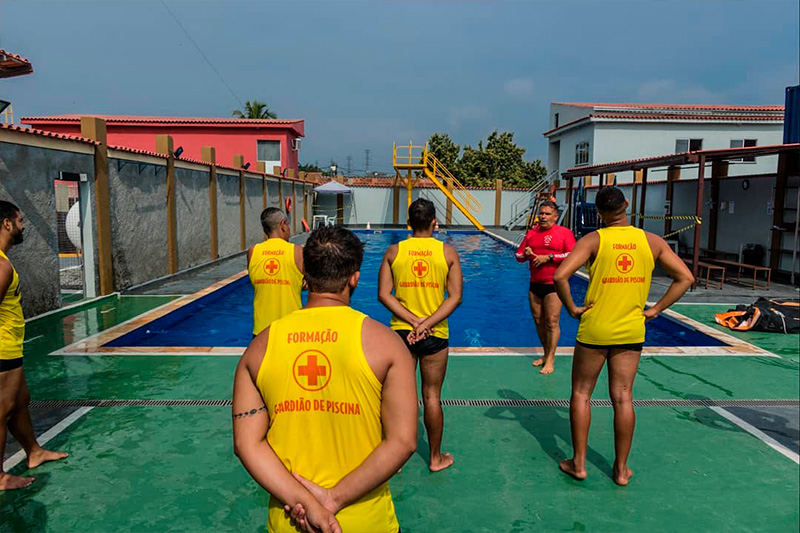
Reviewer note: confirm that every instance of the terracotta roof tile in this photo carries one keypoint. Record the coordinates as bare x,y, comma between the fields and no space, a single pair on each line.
130,119
710,107
31,131
13,65
136,151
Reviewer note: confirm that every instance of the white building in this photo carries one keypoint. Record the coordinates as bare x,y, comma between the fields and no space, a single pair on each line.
590,134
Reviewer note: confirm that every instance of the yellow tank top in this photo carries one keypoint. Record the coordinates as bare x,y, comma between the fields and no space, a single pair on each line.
324,405
619,282
420,280
12,321
276,280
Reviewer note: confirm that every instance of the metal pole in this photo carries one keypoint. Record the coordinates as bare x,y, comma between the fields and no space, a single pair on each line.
698,212
796,228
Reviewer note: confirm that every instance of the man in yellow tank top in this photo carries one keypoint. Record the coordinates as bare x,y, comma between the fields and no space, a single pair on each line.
275,267
14,395
419,270
612,321
325,403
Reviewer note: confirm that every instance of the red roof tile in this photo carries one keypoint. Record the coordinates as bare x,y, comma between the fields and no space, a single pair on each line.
31,131
666,117
130,119
711,107
13,65
136,151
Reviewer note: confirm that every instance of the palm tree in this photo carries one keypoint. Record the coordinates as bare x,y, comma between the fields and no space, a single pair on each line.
254,109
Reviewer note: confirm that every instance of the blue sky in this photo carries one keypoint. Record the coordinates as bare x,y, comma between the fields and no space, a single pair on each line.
364,74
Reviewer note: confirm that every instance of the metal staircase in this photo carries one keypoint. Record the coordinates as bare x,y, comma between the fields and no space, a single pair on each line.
527,204
419,159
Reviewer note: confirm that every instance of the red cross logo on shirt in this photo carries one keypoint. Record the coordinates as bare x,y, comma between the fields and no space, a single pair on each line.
624,263
312,370
272,266
419,268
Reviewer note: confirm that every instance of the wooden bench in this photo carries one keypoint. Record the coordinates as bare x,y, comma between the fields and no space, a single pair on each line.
740,266
709,269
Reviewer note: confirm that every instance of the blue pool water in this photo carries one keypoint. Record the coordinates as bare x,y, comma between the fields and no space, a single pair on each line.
494,311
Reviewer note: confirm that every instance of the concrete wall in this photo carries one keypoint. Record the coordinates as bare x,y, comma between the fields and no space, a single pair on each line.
252,208
374,205
273,199
228,213
138,222
26,179
192,206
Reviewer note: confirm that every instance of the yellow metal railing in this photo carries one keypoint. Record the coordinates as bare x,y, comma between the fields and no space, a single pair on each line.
461,192
409,155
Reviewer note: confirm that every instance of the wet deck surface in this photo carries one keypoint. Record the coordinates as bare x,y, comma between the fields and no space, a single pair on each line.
171,467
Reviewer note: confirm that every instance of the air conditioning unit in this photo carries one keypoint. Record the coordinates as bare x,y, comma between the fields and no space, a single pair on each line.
296,145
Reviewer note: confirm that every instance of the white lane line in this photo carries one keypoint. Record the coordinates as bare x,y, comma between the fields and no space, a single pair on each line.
18,457
769,441
107,311
32,339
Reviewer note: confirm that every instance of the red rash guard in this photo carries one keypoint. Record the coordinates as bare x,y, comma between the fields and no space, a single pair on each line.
557,240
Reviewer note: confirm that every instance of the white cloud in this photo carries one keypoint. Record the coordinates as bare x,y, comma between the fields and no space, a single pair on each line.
668,91
519,88
460,115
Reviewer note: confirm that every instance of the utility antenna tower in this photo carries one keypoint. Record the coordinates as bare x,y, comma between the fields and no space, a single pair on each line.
349,165
366,160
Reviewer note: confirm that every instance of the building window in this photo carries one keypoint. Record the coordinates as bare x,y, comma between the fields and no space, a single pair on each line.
744,143
269,152
556,121
582,153
688,145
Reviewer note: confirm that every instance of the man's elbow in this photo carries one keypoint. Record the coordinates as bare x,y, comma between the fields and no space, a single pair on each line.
560,276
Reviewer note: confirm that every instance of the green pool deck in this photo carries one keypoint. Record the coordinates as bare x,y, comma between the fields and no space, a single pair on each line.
157,468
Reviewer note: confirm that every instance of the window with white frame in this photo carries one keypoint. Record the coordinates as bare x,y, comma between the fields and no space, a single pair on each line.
744,143
688,145
269,152
582,153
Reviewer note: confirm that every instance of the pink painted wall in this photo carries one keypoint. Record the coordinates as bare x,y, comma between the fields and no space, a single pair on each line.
228,141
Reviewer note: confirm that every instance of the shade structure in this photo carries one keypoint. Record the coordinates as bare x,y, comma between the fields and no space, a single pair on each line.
333,187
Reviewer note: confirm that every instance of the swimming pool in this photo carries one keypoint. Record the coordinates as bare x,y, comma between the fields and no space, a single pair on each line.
494,311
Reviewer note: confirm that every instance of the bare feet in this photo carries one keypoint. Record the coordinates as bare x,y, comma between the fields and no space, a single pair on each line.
441,462
9,482
568,467
622,476
39,456
538,362
547,368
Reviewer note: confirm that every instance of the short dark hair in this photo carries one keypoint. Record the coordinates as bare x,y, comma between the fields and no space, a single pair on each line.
271,219
549,203
330,256
8,211
421,213
610,200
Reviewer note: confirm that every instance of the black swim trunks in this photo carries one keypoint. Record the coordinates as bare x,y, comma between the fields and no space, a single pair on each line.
540,290
10,364
427,346
634,347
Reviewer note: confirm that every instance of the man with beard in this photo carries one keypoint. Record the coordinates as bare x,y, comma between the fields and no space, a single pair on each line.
14,395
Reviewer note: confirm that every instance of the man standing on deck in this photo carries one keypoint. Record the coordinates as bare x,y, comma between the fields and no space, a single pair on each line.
275,267
544,247
14,395
612,321
419,270
325,403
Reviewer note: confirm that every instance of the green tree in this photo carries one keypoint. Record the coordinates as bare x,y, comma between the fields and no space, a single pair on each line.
445,150
312,167
500,158
254,109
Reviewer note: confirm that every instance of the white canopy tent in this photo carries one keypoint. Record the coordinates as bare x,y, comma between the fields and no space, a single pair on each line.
331,188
